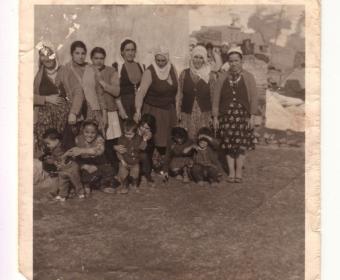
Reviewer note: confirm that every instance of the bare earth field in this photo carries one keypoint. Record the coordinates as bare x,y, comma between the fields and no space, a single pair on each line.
248,231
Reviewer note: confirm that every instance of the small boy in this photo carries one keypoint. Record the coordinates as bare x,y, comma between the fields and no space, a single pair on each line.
179,156
129,146
206,164
56,163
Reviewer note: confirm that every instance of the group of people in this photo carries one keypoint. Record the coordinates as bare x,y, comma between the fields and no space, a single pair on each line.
102,127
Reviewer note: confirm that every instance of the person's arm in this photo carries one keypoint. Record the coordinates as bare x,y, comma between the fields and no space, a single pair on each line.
97,150
216,96
121,110
112,87
144,86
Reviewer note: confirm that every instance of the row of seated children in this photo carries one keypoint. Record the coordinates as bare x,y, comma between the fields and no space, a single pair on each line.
83,167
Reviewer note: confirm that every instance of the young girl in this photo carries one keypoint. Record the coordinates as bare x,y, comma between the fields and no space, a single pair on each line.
89,150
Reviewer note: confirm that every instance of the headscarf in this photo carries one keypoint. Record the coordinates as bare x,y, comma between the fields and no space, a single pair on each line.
162,73
204,71
47,49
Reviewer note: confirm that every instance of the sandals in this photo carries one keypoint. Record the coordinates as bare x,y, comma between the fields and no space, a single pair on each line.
238,180
231,179
234,180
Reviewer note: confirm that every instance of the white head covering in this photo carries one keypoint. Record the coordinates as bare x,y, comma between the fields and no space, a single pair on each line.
235,50
193,41
162,73
204,71
46,48
225,43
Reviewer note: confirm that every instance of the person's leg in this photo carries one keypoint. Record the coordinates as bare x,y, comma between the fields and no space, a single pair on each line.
123,174
239,165
134,174
231,167
64,186
73,173
197,172
212,174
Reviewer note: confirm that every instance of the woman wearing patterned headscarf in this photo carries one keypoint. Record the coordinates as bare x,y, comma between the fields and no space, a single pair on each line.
235,105
158,91
194,98
50,106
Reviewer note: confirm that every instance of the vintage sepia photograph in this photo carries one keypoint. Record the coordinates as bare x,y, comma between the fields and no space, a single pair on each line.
168,142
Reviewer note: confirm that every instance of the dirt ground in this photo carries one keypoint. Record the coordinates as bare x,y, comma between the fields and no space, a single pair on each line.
248,231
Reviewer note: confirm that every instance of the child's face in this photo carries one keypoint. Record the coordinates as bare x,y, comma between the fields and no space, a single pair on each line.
144,128
129,134
179,140
51,144
202,143
90,133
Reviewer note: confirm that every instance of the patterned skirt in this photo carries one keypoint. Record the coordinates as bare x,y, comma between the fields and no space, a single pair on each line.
194,121
49,116
234,131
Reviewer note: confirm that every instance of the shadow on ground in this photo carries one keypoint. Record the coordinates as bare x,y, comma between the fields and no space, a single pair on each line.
249,231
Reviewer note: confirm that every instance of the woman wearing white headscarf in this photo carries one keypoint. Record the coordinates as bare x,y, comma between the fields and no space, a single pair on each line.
194,95
157,96
50,106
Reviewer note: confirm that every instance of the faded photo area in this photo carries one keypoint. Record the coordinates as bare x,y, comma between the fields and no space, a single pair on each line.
169,142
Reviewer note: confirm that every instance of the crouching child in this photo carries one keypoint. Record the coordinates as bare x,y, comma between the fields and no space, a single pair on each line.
206,167
57,163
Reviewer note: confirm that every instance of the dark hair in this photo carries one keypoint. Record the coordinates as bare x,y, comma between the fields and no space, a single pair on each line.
90,122
229,54
126,42
129,125
52,134
209,46
78,44
98,50
115,65
179,133
150,121
205,131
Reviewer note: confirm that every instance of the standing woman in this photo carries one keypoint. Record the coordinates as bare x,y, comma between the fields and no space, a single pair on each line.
130,76
235,105
50,106
194,98
80,80
158,92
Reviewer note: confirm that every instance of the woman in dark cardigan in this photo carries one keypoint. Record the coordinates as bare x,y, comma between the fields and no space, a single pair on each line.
194,95
50,106
158,92
235,105
130,76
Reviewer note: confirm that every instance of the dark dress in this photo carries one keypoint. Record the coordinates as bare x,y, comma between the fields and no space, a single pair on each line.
234,130
49,115
128,91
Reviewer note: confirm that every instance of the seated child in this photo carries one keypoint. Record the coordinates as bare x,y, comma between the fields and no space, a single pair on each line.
96,173
206,164
56,162
147,126
128,147
179,156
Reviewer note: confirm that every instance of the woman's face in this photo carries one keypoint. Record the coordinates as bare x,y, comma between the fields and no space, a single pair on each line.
198,61
161,60
47,62
235,62
98,60
129,52
90,133
79,55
